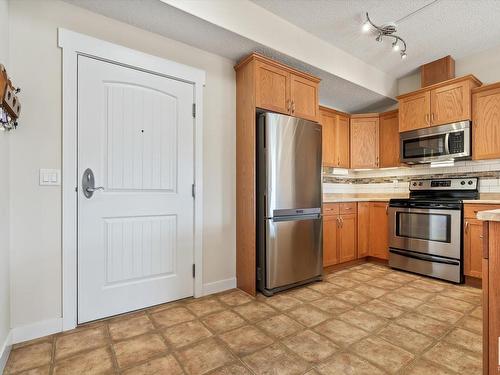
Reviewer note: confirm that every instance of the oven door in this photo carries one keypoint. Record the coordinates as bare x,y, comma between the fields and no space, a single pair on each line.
428,231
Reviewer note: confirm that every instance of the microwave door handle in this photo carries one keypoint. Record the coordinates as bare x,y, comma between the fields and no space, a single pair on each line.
447,143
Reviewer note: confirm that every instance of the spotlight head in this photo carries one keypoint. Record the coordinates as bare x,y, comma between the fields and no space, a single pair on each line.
403,55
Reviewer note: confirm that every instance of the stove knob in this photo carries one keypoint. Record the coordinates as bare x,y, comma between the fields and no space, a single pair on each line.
462,182
420,183
470,182
414,184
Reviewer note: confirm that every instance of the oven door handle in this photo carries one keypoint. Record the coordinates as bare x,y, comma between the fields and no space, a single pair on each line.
424,258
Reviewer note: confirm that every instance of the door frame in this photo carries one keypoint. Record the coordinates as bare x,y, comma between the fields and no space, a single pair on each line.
74,44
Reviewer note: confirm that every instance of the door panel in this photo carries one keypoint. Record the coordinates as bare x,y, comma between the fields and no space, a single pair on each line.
363,229
414,111
473,247
379,246
272,88
304,97
135,238
364,142
347,247
330,234
342,141
485,119
389,140
294,251
450,103
328,128
293,163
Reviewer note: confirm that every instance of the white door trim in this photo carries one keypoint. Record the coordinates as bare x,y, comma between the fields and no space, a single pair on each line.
74,44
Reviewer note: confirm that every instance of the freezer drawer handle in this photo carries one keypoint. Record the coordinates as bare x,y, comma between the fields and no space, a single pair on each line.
296,217
433,260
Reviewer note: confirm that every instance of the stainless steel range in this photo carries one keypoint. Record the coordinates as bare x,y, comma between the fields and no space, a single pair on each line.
425,230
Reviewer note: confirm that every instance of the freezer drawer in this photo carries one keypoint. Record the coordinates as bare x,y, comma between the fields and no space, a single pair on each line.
441,268
294,251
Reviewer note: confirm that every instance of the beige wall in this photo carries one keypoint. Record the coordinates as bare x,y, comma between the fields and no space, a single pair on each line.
4,192
36,211
484,65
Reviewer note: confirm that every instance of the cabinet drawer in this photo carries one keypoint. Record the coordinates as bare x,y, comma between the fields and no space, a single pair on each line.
348,208
331,209
471,210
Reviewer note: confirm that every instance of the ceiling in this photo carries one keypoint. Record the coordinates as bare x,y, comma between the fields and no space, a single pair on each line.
160,18
444,27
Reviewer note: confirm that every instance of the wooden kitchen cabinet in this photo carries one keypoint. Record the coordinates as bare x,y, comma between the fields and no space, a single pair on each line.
363,229
438,104
415,111
285,90
339,233
330,238
389,139
304,97
473,237
335,135
486,119
379,244
364,141
347,237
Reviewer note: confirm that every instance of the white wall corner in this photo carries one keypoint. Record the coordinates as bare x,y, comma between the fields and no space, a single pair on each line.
36,330
5,351
219,286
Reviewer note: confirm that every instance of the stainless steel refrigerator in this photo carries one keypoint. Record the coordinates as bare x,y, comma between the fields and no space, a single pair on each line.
289,186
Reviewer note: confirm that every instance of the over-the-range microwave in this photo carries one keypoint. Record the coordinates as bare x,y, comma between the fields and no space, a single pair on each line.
437,143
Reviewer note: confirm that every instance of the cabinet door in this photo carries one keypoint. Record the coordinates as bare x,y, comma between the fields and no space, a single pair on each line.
272,90
364,142
363,229
473,247
347,237
330,232
342,141
485,119
304,97
327,120
414,111
450,103
379,244
389,140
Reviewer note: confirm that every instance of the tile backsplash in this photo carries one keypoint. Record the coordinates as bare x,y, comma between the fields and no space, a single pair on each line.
396,180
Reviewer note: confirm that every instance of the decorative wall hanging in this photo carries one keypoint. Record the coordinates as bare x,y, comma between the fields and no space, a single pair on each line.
10,107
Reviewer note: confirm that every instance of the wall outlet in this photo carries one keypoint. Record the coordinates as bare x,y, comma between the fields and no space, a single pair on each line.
50,177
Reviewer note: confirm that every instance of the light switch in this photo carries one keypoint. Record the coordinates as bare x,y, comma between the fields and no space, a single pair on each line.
50,177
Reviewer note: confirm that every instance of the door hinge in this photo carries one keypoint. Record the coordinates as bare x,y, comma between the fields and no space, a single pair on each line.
194,270
194,110
192,190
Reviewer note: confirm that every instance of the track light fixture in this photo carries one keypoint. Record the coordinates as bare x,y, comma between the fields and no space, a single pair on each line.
388,30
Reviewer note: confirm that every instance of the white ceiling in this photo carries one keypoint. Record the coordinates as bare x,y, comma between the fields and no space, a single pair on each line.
173,23
455,27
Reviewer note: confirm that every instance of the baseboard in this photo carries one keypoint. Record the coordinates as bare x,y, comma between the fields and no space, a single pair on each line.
219,286
36,330
5,351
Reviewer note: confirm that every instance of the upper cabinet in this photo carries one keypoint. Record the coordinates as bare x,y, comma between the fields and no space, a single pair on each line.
279,88
335,138
365,141
389,139
486,120
442,103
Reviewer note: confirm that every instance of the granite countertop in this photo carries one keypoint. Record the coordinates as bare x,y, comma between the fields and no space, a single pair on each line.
491,215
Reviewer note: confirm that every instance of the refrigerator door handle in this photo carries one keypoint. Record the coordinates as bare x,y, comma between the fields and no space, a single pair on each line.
296,217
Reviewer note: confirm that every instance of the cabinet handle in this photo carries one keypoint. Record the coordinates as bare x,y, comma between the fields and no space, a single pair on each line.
341,222
466,225
386,209
432,117
338,161
288,105
338,222
293,106
427,119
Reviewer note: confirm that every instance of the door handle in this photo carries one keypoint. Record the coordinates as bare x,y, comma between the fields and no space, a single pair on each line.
466,225
293,106
88,184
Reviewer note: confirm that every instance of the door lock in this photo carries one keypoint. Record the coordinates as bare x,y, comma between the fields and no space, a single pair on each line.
88,184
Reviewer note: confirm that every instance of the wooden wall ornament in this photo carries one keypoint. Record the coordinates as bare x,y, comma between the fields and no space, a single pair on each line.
10,106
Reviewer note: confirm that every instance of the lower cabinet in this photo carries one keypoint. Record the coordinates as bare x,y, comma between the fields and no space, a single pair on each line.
339,235
379,244
473,251
363,229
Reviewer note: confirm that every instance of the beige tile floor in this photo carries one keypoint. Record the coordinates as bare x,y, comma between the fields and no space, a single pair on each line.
367,319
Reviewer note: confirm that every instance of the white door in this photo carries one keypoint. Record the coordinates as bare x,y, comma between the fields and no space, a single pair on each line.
135,236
